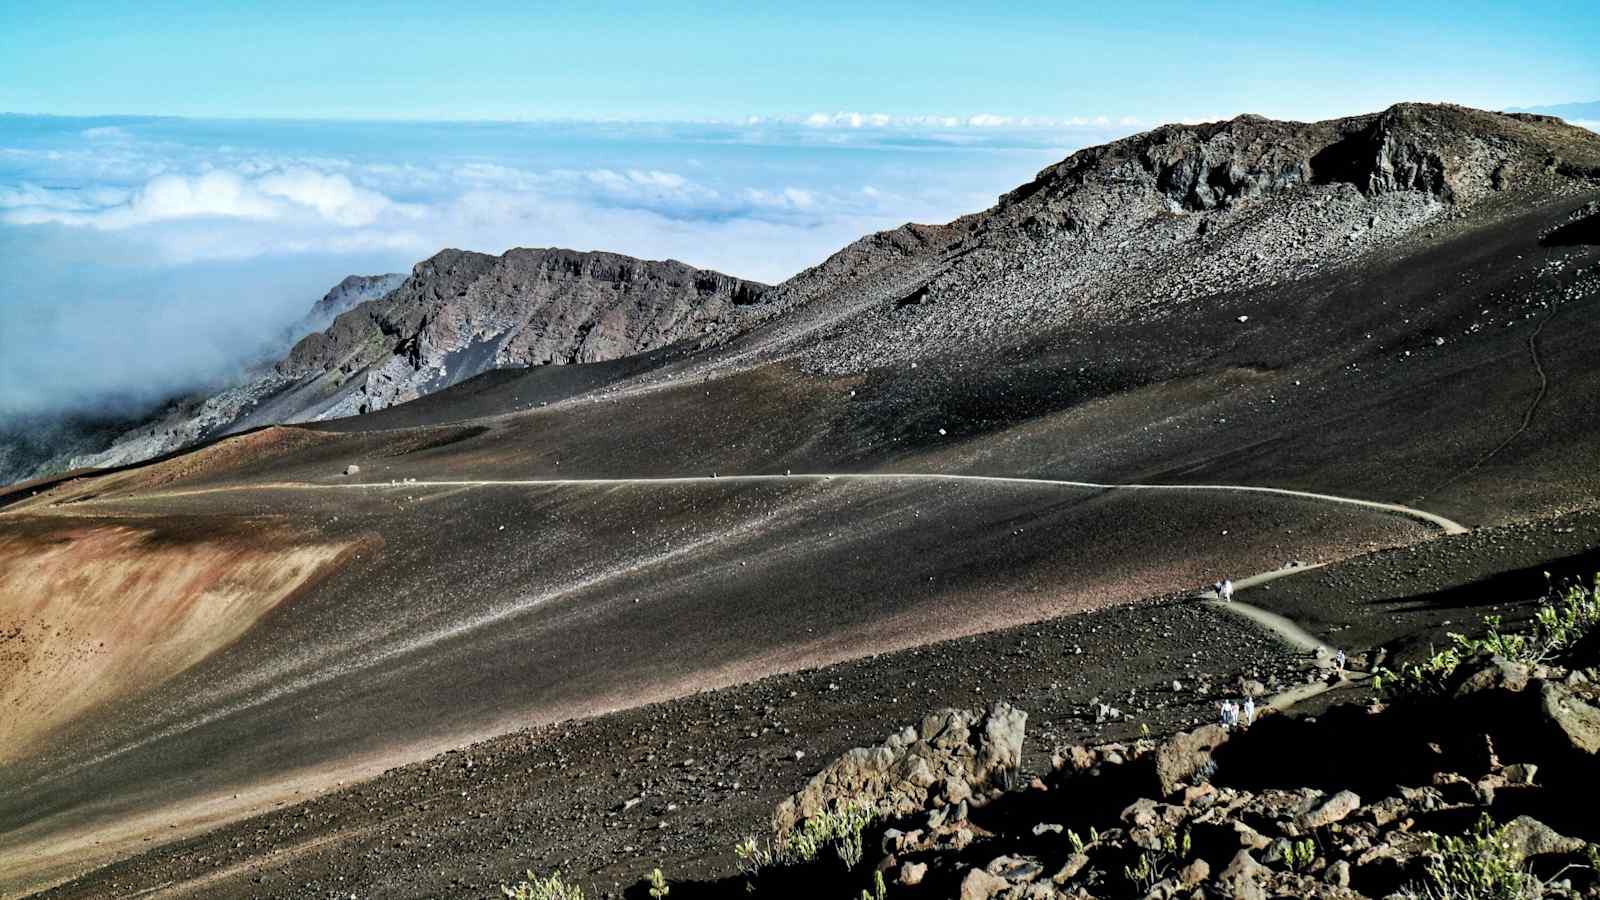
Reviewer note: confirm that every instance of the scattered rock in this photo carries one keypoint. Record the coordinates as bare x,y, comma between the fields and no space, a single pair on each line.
1333,810
912,873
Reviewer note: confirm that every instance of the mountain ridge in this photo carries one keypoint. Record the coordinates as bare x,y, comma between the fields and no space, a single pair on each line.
1063,238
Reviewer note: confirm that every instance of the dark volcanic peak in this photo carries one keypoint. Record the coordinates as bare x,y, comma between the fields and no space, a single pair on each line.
462,313
1451,152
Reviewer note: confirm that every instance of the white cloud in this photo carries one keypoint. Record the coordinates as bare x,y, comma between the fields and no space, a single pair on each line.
296,195
783,198
106,133
857,121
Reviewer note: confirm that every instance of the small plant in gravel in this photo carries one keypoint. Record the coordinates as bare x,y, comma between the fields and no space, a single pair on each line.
658,884
1154,866
841,828
536,888
753,856
880,891
1301,855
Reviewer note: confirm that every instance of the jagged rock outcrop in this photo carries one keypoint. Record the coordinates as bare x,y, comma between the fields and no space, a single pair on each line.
386,339
462,313
953,756
346,295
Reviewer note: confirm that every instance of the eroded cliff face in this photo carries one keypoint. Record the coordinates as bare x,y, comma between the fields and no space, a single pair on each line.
93,611
463,313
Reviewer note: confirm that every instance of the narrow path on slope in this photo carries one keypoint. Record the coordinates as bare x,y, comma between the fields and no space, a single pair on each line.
1527,415
1286,630
1448,526
1277,625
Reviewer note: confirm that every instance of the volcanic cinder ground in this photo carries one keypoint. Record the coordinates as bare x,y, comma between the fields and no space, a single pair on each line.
199,639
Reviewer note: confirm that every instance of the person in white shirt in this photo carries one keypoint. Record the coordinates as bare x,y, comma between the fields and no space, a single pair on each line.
1227,590
1249,710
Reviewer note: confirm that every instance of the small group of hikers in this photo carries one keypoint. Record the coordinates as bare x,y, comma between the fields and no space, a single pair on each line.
1224,589
1236,714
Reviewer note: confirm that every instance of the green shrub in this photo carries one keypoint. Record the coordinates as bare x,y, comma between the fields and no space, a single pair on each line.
880,891
1301,855
1479,865
1154,866
536,888
840,828
1568,615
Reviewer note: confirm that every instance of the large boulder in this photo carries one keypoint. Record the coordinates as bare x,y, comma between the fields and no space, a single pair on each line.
1528,836
953,755
1334,809
1578,720
1185,755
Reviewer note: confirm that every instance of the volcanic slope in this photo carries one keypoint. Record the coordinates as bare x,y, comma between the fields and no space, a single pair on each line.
1397,307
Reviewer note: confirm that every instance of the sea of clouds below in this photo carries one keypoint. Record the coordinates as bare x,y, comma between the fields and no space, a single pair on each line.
146,257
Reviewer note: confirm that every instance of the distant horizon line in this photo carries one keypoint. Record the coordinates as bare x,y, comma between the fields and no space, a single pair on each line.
844,120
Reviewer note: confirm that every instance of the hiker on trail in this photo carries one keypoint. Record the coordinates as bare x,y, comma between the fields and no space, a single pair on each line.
1225,593
1249,711
1338,662
1224,714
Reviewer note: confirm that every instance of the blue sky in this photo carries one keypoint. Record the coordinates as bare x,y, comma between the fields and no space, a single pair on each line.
658,60
180,181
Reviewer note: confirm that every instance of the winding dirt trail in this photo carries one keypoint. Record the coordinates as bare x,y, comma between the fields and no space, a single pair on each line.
1448,526
1280,626
1286,630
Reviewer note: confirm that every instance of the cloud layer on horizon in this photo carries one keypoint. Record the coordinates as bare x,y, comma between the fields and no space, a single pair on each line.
163,254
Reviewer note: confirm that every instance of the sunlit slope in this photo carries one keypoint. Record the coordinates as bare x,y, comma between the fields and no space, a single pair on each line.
96,611
470,610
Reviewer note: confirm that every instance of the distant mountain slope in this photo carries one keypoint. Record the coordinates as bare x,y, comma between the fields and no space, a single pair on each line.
1115,232
1573,112
460,314
379,340
43,444
345,296
1163,218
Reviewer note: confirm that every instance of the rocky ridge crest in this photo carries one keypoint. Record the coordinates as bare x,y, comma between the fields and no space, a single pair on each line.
461,313
1184,212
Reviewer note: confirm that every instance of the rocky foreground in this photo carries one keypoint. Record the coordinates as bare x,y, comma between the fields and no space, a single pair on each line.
1476,778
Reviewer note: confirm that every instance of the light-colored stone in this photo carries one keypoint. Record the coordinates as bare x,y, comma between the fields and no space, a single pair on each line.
1069,869
912,873
1529,837
952,756
980,885
1332,810
1338,874
1185,755
1578,721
